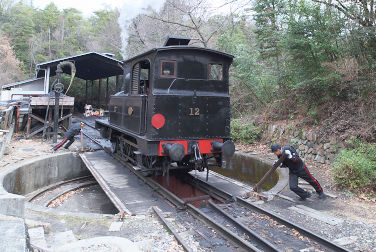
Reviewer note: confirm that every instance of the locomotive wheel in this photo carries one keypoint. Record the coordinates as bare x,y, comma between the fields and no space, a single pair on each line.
104,132
149,163
124,150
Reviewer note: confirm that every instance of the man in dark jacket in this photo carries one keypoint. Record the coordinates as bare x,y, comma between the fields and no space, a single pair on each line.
69,136
298,169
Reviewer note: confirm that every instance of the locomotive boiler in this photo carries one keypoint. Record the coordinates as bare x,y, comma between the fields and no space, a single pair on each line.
174,109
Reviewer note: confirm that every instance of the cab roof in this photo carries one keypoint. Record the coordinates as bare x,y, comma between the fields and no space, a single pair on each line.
172,48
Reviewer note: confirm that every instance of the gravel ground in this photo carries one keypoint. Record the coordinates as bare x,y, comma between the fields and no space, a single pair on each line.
145,231
360,235
198,235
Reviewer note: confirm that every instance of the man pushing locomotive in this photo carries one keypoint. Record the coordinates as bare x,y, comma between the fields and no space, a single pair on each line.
68,139
288,157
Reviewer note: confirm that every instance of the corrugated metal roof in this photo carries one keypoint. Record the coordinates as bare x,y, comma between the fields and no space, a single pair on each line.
20,83
89,66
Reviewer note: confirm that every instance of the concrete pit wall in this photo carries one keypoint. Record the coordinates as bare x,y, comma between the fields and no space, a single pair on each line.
29,176
250,168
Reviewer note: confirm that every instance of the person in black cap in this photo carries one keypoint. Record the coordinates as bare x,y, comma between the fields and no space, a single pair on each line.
69,136
298,169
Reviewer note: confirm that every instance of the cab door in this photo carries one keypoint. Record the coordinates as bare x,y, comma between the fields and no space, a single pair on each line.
135,107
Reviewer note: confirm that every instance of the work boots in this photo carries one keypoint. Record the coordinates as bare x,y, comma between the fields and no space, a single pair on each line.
322,195
307,196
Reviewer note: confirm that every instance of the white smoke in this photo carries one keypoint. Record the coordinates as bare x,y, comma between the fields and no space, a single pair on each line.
130,10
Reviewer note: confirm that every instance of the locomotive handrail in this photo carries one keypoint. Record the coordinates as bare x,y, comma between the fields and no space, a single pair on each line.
185,79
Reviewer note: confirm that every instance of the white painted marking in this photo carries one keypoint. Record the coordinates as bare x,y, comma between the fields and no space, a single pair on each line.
346,240
115,226
316,214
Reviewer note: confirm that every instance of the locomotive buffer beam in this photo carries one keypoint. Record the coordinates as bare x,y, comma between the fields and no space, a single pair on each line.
227,148
175,151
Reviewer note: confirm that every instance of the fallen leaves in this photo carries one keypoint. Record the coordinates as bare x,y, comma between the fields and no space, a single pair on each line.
59,201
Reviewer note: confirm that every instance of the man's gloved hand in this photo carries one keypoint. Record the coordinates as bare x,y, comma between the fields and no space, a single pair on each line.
281,165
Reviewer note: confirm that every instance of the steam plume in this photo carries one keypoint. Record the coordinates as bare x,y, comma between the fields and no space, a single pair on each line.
129,11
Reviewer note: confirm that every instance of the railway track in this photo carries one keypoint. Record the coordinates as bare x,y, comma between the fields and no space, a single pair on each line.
248,226
275,228
45,196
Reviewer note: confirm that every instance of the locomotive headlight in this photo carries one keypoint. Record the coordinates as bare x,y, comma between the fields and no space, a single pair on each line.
158,121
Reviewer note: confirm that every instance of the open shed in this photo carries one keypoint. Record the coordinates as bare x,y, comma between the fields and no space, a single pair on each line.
90,66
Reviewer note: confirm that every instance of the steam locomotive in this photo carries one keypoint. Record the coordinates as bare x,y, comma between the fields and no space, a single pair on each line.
174,109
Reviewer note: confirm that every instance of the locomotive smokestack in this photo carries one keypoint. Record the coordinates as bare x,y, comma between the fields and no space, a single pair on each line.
227,148
173,40
175,151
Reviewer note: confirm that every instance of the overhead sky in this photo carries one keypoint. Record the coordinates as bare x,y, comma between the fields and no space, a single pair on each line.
89,6
85,6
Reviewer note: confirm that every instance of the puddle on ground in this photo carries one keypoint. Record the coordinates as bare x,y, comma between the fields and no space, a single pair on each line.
247,170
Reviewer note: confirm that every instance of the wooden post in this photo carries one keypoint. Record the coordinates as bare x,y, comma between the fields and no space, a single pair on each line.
86,91
6,121
56,116
70,118
28,124
99,93
18,117
82,137
92,92
106,100
49,121
117,84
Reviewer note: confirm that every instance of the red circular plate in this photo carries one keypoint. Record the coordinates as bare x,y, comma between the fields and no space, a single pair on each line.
158,121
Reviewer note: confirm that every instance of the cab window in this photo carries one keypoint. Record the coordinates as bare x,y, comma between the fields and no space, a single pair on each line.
168,68
215,71
140,77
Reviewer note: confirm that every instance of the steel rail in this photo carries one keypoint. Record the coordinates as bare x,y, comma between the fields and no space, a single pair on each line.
91,126
179,203
153,184
173,230
222,229
310,234
78,186
92,139
210,189
267,245
219,193
30,197
323,241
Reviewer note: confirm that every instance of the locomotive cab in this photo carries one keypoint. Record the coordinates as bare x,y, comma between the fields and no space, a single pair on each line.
174,110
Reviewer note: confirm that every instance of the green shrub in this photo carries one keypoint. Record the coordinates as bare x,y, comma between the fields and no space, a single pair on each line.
244,132
355,167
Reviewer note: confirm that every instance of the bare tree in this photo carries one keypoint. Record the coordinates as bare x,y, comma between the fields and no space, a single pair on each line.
196,19
194,16
107,37
10,66
5,6
361,11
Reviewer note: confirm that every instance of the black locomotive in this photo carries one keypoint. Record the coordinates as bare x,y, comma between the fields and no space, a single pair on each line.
174,110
